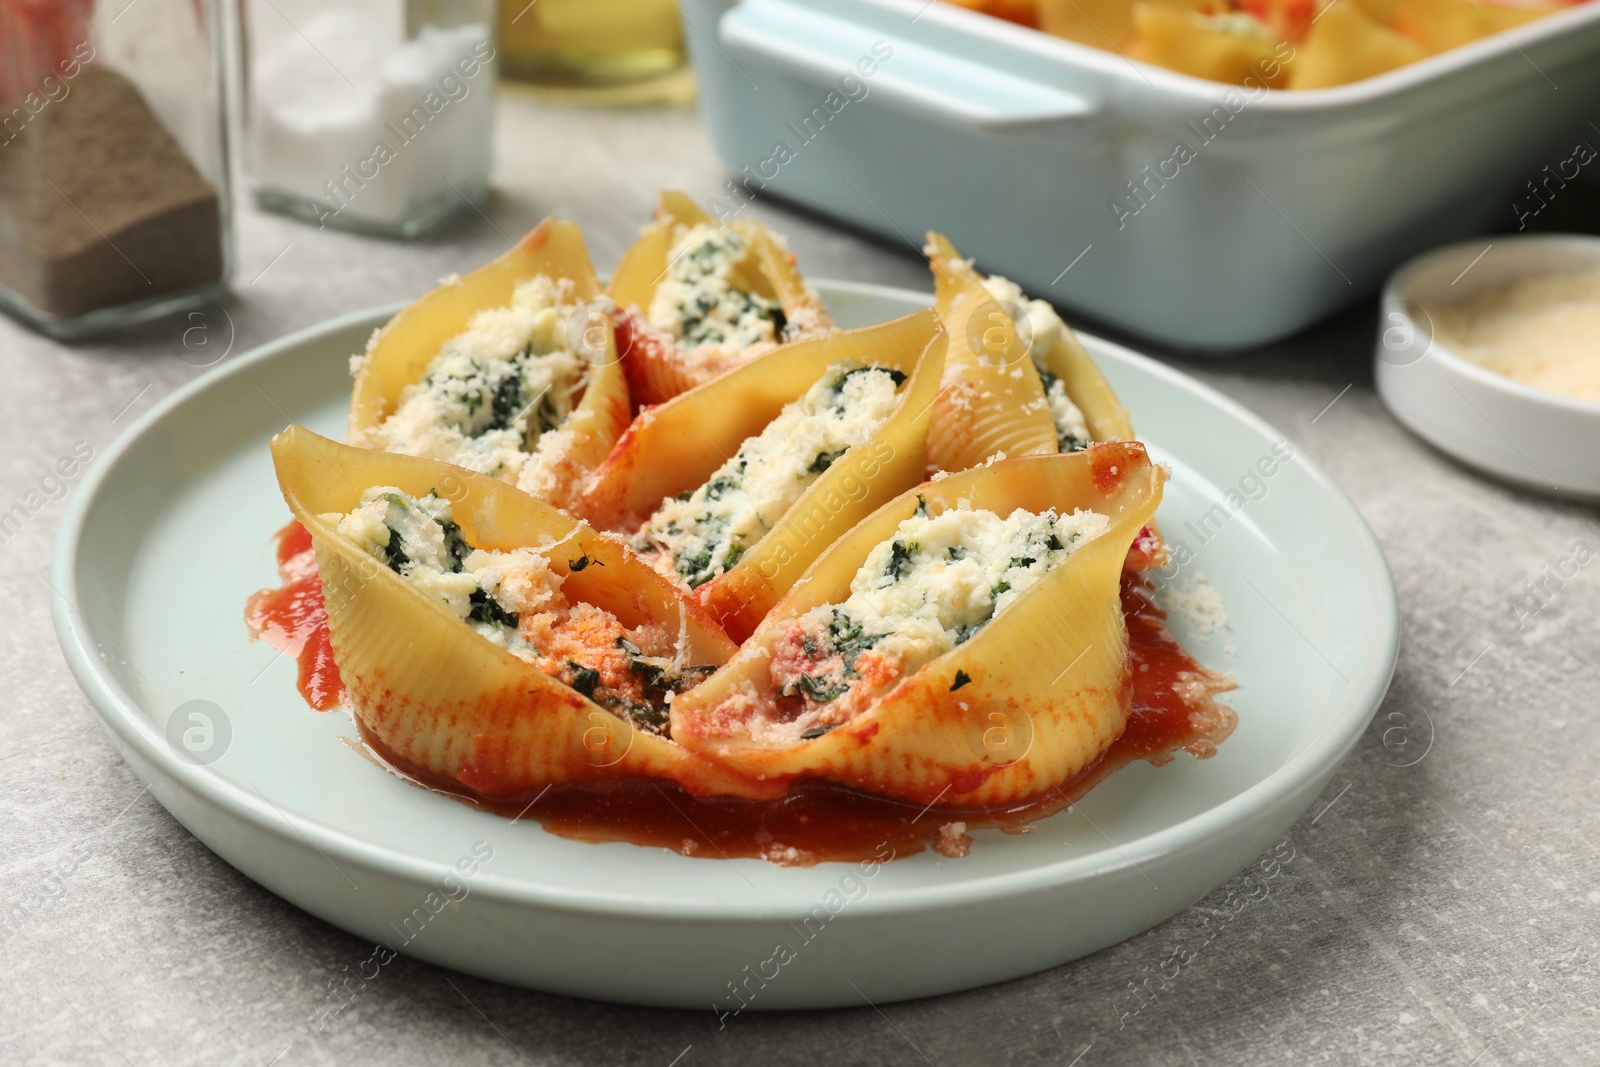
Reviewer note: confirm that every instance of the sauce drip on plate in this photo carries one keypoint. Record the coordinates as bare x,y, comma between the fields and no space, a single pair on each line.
1172,710
294,621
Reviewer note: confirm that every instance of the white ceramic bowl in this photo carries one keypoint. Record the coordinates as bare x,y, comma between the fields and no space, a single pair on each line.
1534,438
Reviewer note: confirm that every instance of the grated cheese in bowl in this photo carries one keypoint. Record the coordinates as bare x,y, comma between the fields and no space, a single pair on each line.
1542,331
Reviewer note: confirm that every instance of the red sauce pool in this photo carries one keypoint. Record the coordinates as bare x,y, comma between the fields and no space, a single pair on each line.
1172,710
293,619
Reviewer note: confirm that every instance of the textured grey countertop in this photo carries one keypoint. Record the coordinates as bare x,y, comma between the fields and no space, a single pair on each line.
1444,911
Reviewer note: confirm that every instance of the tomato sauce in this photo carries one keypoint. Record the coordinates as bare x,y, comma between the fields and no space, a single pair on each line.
1172,710
293,619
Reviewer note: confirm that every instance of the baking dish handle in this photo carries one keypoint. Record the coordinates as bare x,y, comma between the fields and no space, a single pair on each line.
823,48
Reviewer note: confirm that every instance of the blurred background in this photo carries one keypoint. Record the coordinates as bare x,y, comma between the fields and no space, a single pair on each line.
1223,184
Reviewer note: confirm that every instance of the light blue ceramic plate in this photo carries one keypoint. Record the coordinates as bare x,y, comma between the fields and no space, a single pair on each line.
171,533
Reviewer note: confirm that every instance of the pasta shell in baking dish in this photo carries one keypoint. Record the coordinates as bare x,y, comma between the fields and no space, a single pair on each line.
734,487
698,298
951,648
511,371
1007,353
448,591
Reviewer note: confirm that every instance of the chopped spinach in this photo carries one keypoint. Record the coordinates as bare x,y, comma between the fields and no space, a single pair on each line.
651,714
819,691
1053,543
721,486
487,609
394,554
825,460
584,679
900,560
962,678
965,631
817,731
649,717
508,402
695,569
698,325
581,562
455,543
848,639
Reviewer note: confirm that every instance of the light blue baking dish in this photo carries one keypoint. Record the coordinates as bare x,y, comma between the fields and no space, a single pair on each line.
1058,164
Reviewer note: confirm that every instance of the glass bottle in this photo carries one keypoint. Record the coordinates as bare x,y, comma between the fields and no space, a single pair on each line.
590,42
114,184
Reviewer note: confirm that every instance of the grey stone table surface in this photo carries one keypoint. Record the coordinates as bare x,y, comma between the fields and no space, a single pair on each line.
1436,911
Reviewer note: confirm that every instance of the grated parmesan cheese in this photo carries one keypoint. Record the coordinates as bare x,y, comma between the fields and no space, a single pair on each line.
496,398
1198,603
698,304
1542,331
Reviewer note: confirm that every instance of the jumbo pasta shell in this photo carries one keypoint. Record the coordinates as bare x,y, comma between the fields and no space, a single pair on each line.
400,352
447,701
656,366
1108,420
677,446
1068,360
1026,704
991,399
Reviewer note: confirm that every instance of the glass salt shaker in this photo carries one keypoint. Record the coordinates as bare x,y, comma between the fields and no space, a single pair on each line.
114,185
368,115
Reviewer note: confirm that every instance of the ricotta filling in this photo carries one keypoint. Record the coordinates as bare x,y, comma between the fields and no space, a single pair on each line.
921,593
1044,328
515,601
699,303
701,534
496,398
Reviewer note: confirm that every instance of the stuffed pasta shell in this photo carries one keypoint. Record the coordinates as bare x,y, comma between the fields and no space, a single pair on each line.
733,488
963,645
1017,380
489,639
511,371
700,298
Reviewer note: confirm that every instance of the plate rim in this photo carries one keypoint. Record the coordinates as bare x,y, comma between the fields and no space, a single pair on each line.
121,714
